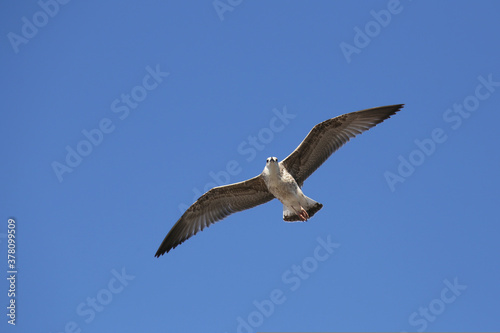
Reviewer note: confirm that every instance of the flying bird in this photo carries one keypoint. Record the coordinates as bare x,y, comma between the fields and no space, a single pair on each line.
281,180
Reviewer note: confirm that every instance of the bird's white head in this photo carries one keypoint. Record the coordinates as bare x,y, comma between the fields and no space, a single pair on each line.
272,165
271,160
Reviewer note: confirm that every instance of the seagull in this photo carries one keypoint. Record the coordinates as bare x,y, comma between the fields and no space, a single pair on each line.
281,180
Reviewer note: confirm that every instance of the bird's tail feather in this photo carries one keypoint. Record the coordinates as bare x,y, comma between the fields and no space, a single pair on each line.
311,208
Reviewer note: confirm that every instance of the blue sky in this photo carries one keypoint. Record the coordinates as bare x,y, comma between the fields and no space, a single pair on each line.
116,115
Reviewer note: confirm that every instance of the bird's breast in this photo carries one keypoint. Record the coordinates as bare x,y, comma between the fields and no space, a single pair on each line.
282,186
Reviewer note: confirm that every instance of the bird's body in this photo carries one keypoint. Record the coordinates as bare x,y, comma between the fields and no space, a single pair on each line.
281,184
282,180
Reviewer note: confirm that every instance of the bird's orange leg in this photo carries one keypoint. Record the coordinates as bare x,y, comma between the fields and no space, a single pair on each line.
303,214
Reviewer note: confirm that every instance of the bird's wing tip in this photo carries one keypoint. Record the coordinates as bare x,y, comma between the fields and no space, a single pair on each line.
159,253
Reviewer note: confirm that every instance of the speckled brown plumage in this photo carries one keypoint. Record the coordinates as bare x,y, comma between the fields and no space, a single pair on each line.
322,141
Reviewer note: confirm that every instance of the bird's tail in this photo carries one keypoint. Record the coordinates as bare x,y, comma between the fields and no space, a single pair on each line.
310,206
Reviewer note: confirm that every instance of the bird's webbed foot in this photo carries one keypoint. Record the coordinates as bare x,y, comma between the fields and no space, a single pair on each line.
303,214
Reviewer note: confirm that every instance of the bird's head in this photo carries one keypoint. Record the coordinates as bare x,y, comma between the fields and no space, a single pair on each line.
272,165
271,160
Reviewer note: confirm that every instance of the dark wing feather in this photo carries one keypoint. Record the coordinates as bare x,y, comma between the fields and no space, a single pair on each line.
326,137
213,206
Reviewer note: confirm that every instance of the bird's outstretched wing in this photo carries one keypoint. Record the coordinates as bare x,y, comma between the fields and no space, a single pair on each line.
326,137
213,206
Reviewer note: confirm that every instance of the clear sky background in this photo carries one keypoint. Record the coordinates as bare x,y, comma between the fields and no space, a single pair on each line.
411,206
